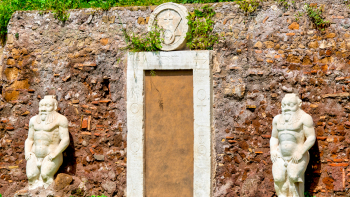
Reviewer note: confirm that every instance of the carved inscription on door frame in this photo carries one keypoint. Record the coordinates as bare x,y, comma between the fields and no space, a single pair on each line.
199,61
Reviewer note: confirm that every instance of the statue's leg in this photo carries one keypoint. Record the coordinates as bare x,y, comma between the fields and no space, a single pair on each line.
279,176
296,174
49,169
301,186
32,170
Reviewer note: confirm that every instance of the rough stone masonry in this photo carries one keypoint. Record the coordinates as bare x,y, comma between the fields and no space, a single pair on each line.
259,58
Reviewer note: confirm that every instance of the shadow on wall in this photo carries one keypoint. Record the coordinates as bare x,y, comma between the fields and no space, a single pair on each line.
69,164
313,171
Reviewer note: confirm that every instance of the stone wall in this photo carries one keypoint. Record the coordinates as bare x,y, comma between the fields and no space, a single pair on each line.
258,59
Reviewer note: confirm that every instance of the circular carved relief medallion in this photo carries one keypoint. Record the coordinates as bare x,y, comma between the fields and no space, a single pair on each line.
171,17
134,108
135,147
201,94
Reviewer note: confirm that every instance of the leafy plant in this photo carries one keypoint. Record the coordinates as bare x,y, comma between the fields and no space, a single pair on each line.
286,3
6,9
249,6
104,5
78,192
150,41
315,14
298,15
201,25
307,194
60,11
153,73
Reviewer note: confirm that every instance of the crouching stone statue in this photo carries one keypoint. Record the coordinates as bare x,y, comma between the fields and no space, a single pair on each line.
292,136
47,138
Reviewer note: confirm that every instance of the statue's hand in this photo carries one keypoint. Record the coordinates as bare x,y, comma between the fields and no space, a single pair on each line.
296,157
274,156
51,157
28,155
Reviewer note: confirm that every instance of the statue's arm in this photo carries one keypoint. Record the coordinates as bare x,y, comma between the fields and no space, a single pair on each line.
64,136
30,140
274,135
274,140
309,131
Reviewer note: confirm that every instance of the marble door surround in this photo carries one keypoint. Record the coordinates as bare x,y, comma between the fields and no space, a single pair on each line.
200,63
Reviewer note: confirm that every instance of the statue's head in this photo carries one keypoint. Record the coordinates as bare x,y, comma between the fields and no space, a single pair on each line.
46,107
291,103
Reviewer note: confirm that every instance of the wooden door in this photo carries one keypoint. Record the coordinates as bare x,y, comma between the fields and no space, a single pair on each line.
169,133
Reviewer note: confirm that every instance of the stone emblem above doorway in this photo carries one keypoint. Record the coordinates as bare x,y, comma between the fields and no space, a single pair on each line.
171,17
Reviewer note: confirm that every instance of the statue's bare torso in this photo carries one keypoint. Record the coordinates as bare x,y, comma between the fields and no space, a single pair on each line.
46,137
291,136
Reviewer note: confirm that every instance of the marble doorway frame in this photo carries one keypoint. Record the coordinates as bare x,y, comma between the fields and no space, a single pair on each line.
200,63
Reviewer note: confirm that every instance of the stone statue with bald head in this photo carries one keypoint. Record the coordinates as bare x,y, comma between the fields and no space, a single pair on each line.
292,136
47,138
